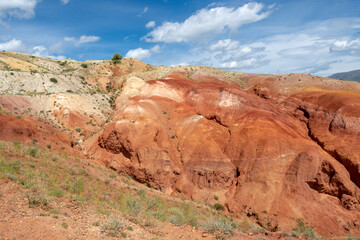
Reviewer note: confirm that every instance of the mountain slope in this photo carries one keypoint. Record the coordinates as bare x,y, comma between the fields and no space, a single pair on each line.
352,75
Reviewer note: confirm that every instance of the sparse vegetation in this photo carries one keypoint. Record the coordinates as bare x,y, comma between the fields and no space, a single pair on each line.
221,228
112,226
303,229
54,80
66,177
349,237
38,200
64,225
84,65
219,207
69,70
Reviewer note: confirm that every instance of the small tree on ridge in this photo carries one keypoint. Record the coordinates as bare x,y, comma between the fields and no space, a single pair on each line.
116,58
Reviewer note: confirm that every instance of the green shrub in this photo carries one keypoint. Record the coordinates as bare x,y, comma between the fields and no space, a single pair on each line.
38,200
219,207
222,228
84,65
302,228
113,226
176,216
54,80
33,151
64,225
78,129
116,58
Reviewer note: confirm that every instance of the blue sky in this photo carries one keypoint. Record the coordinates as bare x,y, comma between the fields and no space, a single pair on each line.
319,37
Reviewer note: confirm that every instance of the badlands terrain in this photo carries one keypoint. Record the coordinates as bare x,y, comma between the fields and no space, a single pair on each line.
97,150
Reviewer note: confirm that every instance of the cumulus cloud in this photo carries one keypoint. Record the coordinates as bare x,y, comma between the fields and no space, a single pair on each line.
150,24
141,53
83,39
207,22
342,46
21,9
65,1
16,45
12,46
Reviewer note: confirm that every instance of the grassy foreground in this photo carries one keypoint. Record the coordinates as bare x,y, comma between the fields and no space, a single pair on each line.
47,176
50,176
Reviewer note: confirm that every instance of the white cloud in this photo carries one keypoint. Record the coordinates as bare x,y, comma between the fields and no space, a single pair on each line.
70,39
12,46
21,9
15,45
150,24
146,9
207,22
155,49
226,44
141,53
65,1
138,53
229,54
83,39
341,46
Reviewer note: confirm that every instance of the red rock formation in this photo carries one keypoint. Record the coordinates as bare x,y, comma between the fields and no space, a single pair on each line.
26,130
272,161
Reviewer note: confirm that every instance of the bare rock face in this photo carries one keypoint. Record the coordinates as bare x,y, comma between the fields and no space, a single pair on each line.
30,131
273,162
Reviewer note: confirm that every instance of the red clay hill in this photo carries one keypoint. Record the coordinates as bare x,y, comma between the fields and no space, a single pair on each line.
275,148
272,156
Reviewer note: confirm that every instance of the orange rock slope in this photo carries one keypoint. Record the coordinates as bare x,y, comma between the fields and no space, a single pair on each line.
273,154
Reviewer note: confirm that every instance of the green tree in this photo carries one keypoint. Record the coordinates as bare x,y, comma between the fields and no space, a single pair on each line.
116,58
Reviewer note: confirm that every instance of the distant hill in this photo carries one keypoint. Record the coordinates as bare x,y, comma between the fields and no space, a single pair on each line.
352,75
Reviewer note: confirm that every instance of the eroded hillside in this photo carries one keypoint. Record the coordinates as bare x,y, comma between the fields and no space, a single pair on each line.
274,149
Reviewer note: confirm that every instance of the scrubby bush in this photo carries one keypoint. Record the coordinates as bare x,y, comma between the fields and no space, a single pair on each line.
221,228
218,207
54,80
113,226
116,58
84,65
33,151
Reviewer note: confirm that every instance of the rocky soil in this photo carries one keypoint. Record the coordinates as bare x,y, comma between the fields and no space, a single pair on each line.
274,149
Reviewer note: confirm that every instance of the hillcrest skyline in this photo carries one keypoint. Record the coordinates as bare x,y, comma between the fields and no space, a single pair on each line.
316,37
